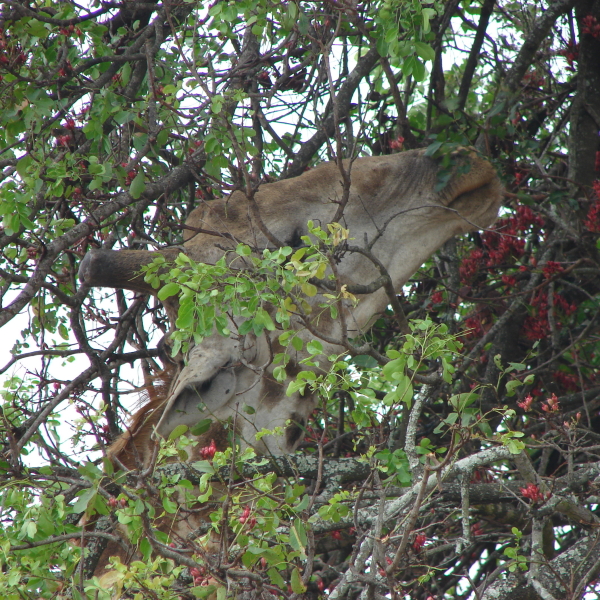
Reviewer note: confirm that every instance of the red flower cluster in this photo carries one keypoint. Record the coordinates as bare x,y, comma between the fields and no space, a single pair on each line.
502,244
70,30
246,518
437,297
533,80
532,492
208,452
521,176
382,572
592,222
536,326
482,475
591,26
419,542
476,529
245,514
11,53
397,143
63,140
567,382
502,247
474,326
66,70
552,267
470,265
571,52
526,404
199,576
563,305
551,405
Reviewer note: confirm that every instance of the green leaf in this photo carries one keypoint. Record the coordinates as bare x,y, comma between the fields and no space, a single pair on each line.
138,185
178,432
245,327
298,539
169,506
279,373
515,446
23,165
314,347
276,578
263,318
365,361
462,401
433,148
451,418
428,14
418,71
295,386
511,386
171,289
205,591
425,51
382,46
86,498
405,391
296,582
394,367
497,109
186,315
309,289
498,362
145,548
485,428
297,343
303,24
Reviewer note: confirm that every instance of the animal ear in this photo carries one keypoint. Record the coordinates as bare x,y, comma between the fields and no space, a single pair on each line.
208,379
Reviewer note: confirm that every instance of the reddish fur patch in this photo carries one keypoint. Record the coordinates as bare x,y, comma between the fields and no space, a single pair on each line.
134,447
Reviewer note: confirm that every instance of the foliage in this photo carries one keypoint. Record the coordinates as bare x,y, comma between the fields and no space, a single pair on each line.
456,459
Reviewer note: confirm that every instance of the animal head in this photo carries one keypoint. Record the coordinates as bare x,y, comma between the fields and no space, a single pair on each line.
393,206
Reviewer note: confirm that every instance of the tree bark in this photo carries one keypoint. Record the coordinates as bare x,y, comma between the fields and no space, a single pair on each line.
585,112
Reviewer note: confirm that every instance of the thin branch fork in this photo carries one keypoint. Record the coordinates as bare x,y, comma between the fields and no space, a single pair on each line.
387,285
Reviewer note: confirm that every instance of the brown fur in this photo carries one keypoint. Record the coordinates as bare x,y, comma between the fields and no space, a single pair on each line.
392,202
133,450
132,447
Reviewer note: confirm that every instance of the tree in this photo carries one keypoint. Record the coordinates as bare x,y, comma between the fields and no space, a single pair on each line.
463,464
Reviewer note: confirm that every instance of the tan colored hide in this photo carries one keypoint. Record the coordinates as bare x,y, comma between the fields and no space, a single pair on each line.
392,199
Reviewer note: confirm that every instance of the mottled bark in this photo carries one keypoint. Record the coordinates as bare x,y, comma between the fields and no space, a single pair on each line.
559,579
585,111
